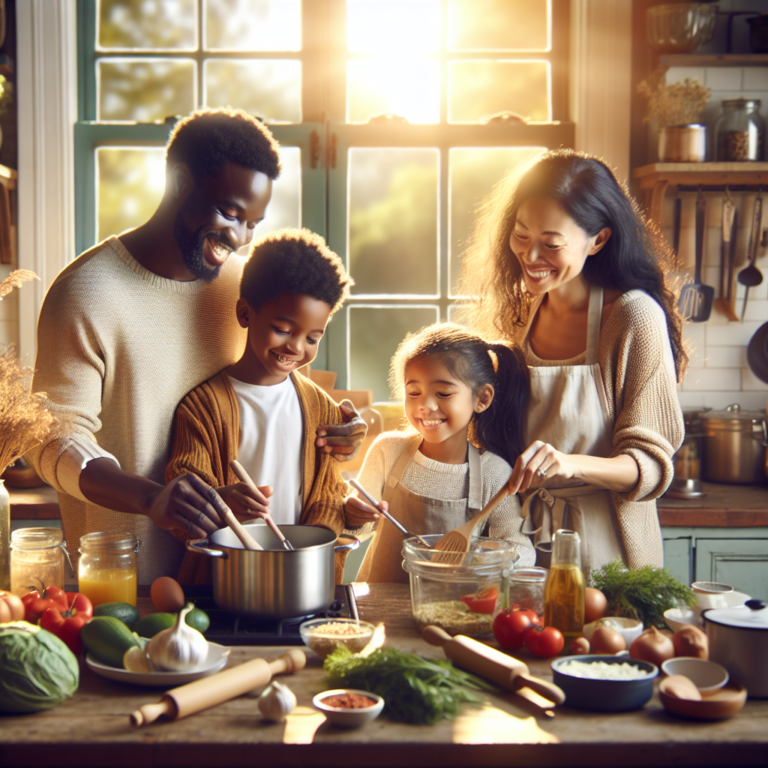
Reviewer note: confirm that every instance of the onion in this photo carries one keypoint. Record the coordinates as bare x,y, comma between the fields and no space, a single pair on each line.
691,641
652,646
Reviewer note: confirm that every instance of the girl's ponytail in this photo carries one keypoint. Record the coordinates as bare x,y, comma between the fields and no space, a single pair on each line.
501,427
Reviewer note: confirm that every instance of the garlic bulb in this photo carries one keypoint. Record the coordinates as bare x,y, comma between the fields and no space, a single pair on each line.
276,701
179,648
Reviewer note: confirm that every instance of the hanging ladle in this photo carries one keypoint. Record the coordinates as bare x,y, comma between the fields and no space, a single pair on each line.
751,276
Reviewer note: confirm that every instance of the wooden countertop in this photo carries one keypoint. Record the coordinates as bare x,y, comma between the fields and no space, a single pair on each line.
722,506
92,728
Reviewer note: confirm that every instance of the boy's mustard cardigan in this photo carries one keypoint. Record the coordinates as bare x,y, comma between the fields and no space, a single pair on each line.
206,439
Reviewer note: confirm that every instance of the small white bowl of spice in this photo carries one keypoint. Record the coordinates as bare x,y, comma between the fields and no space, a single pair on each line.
324,636
347,707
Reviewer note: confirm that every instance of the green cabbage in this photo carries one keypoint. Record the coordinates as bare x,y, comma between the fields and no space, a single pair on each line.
37,670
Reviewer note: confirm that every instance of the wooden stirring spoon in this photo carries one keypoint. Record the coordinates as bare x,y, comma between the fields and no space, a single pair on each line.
229,518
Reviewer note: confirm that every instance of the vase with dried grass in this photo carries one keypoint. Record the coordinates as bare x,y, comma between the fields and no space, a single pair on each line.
24,423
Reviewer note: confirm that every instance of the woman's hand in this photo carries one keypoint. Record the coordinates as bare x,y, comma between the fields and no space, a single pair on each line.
536,464
358,511
343,440
246,501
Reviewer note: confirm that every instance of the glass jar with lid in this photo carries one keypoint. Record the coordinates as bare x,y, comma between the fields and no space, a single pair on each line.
108,567
37,559
526,589
740,131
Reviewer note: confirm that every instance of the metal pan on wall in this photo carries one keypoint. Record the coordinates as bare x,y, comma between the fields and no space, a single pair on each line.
757,353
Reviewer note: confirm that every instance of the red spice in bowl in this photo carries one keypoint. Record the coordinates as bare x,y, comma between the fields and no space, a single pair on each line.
349,701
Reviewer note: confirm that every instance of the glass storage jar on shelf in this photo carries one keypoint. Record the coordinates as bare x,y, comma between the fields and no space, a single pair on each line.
37,559
740,131
107,569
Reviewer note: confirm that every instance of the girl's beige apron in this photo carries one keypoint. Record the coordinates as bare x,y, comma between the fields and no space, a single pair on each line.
419,514
569,410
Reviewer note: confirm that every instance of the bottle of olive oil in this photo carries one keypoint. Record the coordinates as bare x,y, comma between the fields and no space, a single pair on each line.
564,590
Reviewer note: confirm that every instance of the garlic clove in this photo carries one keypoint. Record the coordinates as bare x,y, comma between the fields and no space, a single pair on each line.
276,702
178,649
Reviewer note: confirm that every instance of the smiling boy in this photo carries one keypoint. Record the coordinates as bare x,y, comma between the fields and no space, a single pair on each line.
260,410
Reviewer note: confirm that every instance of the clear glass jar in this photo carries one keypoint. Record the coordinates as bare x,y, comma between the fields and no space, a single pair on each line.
526,589
37,559
461,599
564,591
740,131
107,569
5,538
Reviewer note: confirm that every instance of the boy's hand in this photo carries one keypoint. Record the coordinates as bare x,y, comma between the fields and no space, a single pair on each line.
343,440
358,511
247,501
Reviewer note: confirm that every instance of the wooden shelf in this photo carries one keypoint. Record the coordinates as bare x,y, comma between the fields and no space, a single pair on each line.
667,60
654,179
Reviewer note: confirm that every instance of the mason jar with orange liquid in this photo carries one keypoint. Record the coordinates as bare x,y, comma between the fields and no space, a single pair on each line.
564,590
108,567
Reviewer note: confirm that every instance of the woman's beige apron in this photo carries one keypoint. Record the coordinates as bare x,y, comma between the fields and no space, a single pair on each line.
569,410
419,514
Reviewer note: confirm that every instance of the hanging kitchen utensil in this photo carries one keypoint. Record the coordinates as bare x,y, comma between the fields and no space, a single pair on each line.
696,299
728,232
676,215
757,353
751,276
730,292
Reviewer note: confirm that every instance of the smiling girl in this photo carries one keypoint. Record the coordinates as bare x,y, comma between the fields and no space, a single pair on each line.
457,454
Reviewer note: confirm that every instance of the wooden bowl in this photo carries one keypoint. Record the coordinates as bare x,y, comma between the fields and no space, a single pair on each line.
714,705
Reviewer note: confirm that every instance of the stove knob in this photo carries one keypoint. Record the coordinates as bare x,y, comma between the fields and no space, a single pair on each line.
336,605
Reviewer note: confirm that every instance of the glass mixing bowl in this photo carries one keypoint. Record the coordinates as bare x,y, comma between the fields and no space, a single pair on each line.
461,599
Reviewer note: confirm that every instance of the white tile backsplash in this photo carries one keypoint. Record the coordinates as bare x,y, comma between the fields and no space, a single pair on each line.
724,78
712,380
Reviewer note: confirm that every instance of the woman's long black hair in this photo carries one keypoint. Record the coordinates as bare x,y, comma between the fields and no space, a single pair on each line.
634,257
500,428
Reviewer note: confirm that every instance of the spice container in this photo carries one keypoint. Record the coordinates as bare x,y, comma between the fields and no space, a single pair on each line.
526,589
107,568
740,131
37,559
564,591
461,599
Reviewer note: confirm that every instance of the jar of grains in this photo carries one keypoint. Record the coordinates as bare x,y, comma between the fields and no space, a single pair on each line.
107,568
740,131
37,559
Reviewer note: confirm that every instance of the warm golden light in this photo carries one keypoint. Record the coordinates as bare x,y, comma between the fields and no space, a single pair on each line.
393,26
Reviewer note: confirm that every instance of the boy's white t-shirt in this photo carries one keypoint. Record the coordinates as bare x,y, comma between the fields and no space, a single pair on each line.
271,438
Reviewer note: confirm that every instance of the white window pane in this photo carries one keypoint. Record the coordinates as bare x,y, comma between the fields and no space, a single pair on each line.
501,25
284,209
393,220
374,334
394,26
253,25
149,25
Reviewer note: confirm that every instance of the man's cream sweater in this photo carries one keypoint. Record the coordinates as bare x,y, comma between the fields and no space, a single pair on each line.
118,349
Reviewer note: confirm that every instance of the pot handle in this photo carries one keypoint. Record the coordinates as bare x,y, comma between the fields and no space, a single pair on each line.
352,543
197,545
761,436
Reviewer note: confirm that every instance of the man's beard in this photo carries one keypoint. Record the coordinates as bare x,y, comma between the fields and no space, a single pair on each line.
192,244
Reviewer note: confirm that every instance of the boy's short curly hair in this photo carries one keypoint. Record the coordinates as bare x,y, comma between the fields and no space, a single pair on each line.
294,261
209,138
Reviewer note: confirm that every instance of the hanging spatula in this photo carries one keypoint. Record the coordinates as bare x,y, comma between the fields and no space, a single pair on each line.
728,234
455,544
696,299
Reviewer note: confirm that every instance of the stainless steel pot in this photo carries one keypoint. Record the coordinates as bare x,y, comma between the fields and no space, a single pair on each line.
275,583
734,446
738,638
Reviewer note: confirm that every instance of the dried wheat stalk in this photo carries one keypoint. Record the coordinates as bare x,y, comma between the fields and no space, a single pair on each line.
14,280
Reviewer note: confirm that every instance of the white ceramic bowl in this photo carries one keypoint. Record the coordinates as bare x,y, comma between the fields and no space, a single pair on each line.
705,675
348,718
677,618
629,629
323,642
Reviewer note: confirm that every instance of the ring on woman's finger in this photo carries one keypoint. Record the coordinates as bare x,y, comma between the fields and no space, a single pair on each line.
541,472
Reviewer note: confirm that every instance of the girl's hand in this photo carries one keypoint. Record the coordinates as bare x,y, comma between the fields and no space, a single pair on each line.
536,464
359,511
246,502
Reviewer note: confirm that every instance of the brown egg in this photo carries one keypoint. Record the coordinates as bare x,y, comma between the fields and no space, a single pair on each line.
680,687
167,595
607,641
595,605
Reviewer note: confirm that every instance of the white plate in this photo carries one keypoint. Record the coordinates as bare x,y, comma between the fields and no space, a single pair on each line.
217,659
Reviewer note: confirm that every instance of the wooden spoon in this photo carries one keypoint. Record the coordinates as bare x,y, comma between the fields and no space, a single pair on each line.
229,518
455,543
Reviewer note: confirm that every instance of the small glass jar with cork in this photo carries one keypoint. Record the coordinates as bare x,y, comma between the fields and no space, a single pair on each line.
37,559
740,131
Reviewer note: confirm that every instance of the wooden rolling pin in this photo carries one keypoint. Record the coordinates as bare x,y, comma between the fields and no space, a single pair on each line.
223,686
490,664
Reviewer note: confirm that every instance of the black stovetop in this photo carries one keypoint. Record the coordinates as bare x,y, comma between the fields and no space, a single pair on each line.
228,628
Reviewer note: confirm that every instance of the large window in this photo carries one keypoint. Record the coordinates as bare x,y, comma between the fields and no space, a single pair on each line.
395,117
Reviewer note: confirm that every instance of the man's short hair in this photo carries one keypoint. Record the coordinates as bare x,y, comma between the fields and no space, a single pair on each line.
209,138
294,261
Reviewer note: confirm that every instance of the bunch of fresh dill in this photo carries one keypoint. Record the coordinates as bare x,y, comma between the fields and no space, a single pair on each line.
414,689
642,594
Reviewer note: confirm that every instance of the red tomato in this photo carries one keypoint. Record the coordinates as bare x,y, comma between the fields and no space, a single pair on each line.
483,601
534,617
544,642
509,628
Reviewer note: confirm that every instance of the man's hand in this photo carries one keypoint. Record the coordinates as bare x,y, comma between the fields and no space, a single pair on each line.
343,440
183,503
358,511
245,501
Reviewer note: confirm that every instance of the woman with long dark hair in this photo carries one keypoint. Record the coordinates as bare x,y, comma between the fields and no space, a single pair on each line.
563,263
